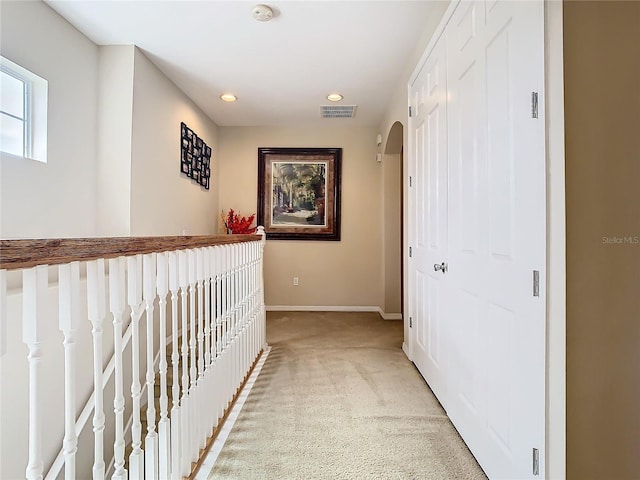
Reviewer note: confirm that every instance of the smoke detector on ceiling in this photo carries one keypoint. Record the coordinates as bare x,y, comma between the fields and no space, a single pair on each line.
262,13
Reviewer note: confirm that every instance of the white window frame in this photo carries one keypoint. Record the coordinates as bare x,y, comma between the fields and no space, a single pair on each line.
35,111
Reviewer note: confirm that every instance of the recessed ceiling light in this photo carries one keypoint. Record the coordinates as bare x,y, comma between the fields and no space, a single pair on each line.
228,97
334,97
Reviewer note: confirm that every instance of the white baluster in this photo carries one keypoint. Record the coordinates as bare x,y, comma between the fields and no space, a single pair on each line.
97,309
219,299
185,430
245,309
134,283
193,442
151,439
200,425
163,425
206,400
33,310
117,305
217,331
175,360
234,312
69,314
224,317
209,329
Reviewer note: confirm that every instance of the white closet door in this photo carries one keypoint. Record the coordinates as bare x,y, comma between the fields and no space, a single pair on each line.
477,203
497,234
428,228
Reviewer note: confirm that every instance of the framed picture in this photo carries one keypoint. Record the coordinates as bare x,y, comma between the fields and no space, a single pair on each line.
195,158
299,193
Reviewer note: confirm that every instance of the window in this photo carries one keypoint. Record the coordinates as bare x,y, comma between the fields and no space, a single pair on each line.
23,112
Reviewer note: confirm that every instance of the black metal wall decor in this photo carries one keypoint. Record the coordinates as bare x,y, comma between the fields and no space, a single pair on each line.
195,160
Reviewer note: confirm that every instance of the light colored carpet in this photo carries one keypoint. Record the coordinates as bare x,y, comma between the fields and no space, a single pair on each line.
338,399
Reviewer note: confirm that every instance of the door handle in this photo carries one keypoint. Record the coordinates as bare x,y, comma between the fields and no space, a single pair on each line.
441,267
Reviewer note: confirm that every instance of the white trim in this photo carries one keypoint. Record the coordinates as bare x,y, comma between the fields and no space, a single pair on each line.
35,111
334,308
405,349
556,394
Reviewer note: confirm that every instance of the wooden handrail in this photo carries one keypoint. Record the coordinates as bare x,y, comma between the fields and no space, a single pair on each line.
26,253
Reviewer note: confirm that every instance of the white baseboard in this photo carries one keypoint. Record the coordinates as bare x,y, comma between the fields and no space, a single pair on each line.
333,308
405,349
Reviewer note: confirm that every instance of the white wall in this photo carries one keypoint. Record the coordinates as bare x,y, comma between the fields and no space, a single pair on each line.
344,273
57,198
115,114
164,201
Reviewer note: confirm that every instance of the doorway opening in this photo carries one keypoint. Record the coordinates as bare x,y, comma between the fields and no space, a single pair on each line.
394,220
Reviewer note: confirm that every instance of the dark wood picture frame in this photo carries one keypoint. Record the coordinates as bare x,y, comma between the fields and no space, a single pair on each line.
299,193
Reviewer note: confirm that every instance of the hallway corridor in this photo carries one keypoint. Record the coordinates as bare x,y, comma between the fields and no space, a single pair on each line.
338,399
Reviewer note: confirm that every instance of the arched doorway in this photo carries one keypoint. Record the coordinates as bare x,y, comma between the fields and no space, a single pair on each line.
393,221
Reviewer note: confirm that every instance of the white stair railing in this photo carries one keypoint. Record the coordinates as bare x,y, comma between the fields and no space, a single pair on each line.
214,326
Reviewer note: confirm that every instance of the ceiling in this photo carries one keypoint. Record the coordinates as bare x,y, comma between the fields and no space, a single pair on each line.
281,70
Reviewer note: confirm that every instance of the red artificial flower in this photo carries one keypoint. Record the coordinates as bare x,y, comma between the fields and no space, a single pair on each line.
237,224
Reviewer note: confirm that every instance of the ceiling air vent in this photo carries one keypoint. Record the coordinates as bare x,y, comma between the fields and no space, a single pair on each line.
338,111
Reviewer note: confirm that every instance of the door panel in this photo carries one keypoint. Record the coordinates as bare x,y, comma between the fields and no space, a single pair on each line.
428,207
482,343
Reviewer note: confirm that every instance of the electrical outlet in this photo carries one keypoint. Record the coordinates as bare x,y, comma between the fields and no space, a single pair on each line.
296,281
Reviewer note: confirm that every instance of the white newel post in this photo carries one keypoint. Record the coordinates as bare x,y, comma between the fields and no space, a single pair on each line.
185,404
34,284
96,311
151,439
175,359
69,315
263,332
164,466
134,284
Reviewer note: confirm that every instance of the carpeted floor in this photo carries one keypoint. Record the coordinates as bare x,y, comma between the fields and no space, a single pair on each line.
338,399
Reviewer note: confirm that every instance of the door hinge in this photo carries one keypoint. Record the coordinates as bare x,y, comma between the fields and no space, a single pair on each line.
536,461
410,181
410,322
534,104
410,111
536,283
410,253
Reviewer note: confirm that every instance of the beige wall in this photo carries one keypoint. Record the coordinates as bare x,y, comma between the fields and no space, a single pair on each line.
602,113
163,200
392,182
344,273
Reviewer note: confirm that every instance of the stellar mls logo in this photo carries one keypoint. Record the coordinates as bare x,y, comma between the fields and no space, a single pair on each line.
624,240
